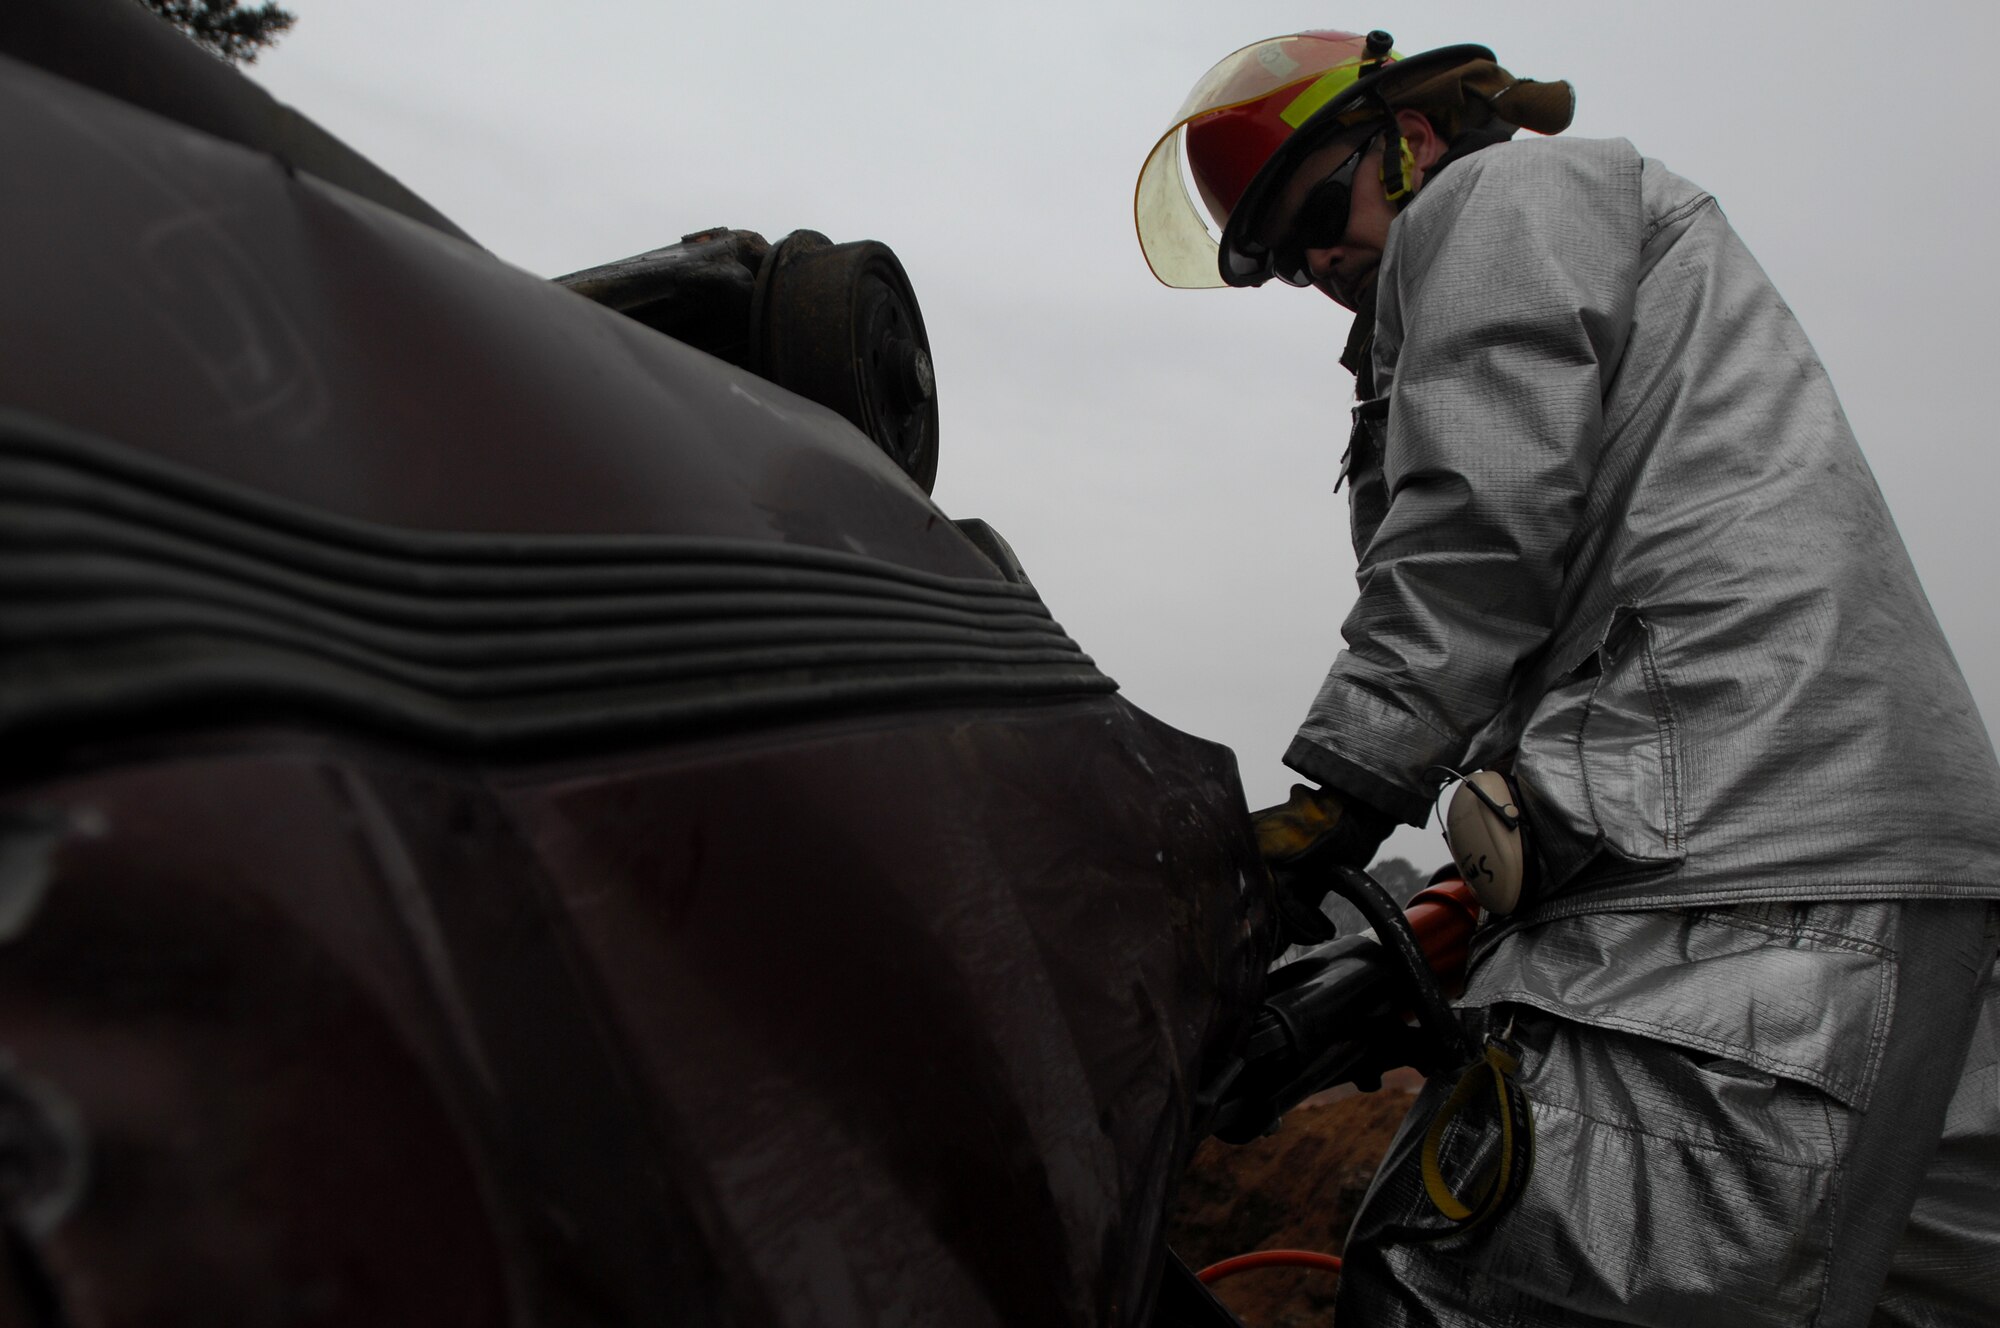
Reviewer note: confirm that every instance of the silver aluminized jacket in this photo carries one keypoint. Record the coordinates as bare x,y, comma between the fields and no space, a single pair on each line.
1615,523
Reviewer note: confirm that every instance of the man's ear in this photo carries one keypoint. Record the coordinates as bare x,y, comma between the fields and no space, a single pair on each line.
1426,144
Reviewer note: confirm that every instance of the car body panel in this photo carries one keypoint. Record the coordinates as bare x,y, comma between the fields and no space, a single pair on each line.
507,818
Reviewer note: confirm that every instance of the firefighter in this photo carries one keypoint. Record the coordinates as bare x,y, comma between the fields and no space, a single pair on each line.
1616,541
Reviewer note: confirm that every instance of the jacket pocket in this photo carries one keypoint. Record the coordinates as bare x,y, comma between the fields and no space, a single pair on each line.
1599,765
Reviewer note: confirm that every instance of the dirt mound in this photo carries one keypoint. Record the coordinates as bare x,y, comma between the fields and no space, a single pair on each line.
1297,1189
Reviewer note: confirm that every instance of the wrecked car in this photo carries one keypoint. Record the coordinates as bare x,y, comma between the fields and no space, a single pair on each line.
519,807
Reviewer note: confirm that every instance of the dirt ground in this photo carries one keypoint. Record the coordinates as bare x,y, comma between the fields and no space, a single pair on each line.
1297,1189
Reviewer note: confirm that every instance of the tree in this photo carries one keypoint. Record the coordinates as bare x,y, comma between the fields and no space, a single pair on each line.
237,35
1400,877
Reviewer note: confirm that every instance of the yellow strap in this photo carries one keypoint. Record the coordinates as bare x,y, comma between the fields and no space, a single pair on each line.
1497,1065
1323,90
1409,173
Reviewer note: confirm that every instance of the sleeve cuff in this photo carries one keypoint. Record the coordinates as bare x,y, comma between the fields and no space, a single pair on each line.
1331,770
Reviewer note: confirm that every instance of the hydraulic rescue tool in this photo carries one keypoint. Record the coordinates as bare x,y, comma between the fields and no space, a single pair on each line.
1337,1014
1346,1012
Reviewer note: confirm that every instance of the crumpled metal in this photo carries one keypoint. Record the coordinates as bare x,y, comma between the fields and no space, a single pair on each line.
1615,526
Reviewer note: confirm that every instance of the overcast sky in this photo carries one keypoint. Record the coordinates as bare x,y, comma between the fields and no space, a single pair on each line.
1163,461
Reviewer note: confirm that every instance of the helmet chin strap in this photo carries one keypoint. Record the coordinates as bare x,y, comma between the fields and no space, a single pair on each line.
1399,164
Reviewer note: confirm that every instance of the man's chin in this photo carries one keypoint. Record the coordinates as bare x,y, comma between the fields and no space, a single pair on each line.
1352,295
1359,293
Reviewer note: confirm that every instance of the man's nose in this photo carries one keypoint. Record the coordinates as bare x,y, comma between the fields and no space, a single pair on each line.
1321,262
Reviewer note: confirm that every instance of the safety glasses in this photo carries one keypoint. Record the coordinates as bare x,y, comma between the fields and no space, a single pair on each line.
1319,223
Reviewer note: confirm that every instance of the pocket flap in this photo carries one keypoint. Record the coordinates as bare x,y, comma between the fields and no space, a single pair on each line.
1804,1005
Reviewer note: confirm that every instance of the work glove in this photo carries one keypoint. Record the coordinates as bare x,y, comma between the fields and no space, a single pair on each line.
1302,840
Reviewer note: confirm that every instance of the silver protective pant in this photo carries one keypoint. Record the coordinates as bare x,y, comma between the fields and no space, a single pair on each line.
1684,1182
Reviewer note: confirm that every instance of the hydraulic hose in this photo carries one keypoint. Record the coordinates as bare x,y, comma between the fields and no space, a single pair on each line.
1397,938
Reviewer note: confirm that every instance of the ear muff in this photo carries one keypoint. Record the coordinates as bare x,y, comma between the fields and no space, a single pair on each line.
1484,829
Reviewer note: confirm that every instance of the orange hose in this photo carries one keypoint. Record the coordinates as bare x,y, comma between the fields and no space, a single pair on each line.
1242,1263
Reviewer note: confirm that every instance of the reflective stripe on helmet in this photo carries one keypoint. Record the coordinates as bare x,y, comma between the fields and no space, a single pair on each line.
1329,85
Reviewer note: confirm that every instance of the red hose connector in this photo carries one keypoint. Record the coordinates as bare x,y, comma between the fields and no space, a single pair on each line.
1443,917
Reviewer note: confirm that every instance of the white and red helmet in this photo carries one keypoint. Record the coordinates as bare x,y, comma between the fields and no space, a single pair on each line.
1263,108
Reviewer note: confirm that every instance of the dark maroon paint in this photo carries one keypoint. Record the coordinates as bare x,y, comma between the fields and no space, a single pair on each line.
820,1025
899,1014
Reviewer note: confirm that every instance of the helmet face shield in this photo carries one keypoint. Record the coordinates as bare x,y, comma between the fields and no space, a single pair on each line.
1173,232
1234,119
